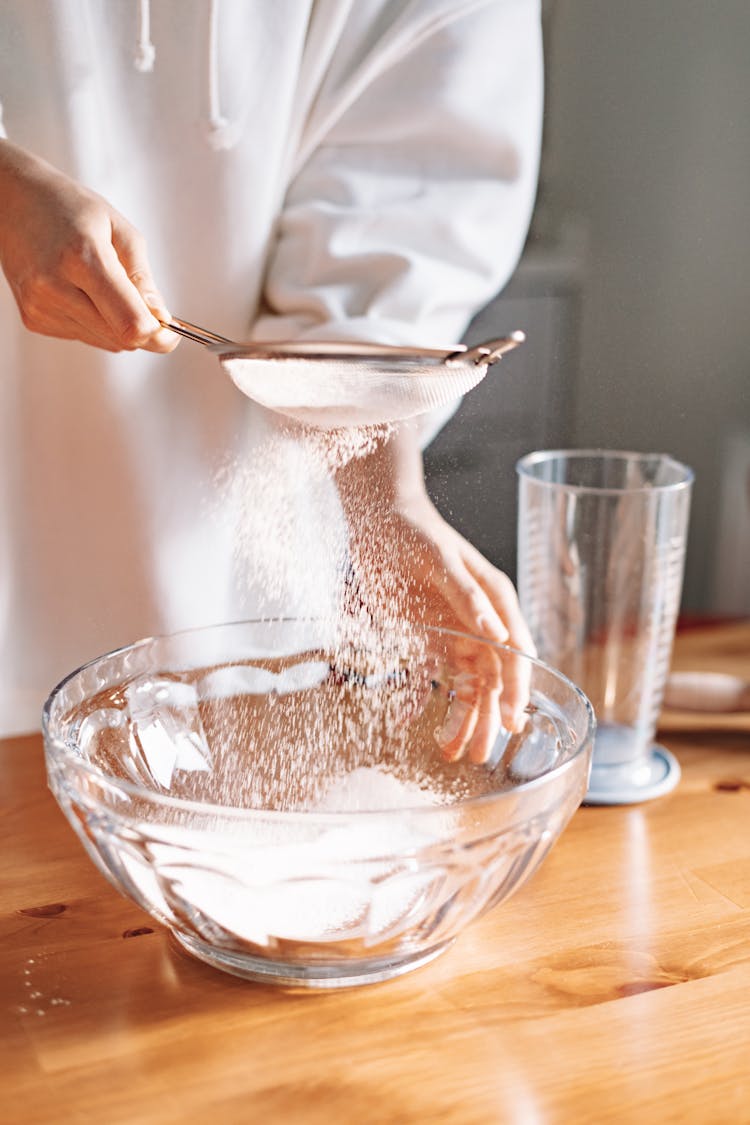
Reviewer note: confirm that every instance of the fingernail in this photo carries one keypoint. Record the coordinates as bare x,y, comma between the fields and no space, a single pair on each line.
519,722
156,305
453,753
514,718
454,721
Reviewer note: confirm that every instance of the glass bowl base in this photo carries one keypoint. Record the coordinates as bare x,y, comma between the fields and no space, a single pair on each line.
307,976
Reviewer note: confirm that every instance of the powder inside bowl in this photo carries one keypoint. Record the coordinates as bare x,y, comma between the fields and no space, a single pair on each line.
343,879
371,787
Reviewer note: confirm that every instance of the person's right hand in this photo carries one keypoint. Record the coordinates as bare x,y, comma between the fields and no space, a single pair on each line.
78,270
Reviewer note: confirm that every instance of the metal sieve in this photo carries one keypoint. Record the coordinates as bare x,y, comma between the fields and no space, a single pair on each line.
335,384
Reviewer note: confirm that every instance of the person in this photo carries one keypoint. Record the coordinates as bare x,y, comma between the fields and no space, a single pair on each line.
307,169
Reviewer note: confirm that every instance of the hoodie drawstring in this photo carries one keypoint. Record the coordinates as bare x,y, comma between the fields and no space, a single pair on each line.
220,132
145,52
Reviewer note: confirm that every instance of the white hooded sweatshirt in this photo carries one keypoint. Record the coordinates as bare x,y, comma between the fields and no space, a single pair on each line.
339,168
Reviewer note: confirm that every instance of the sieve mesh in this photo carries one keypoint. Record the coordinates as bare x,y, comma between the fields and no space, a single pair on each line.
329,394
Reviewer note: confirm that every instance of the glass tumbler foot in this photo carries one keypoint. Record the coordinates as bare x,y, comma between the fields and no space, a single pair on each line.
628,783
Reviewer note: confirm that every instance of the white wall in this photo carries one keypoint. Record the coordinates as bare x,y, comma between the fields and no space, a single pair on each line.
648,143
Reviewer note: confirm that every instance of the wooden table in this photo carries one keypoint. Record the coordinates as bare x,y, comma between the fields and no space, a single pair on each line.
615,986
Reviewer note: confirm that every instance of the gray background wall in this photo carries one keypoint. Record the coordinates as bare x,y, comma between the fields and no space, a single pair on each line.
640,248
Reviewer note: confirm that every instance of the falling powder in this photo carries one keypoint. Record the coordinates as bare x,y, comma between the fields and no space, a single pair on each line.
298,555
291,542
331,736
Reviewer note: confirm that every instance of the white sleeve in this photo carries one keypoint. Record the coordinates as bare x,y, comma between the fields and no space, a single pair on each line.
415,175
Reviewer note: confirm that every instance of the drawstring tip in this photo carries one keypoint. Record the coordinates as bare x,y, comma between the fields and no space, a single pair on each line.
222,134
144,57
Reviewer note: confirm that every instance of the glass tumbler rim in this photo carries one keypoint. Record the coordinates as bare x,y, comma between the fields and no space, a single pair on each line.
526,464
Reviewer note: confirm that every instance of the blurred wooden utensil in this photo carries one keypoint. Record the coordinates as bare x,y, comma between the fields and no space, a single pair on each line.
715,692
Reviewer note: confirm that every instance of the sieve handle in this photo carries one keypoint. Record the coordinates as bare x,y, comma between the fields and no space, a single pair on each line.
482,355
193,332
490,352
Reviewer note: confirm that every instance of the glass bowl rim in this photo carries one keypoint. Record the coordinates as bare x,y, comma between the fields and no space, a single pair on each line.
57,748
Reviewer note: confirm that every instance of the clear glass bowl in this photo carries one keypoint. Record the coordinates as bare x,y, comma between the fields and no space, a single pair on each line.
291,803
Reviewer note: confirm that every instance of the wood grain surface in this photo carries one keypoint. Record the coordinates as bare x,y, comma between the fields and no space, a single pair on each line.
615,986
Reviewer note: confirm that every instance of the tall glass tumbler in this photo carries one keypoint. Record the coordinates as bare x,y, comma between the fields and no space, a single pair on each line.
601,550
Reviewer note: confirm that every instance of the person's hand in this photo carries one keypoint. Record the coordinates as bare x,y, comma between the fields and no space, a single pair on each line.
78,270
429,573
407,562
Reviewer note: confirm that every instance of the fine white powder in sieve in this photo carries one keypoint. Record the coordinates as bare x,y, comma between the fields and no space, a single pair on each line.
336,394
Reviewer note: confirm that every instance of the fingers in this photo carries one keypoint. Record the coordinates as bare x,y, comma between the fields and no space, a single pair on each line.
471,605
502,594
119,304
501,688
483,598
472,675
460,720
466,597
488,727
130,249
441,579
55,308
103,275
96,295
516,671
485,603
